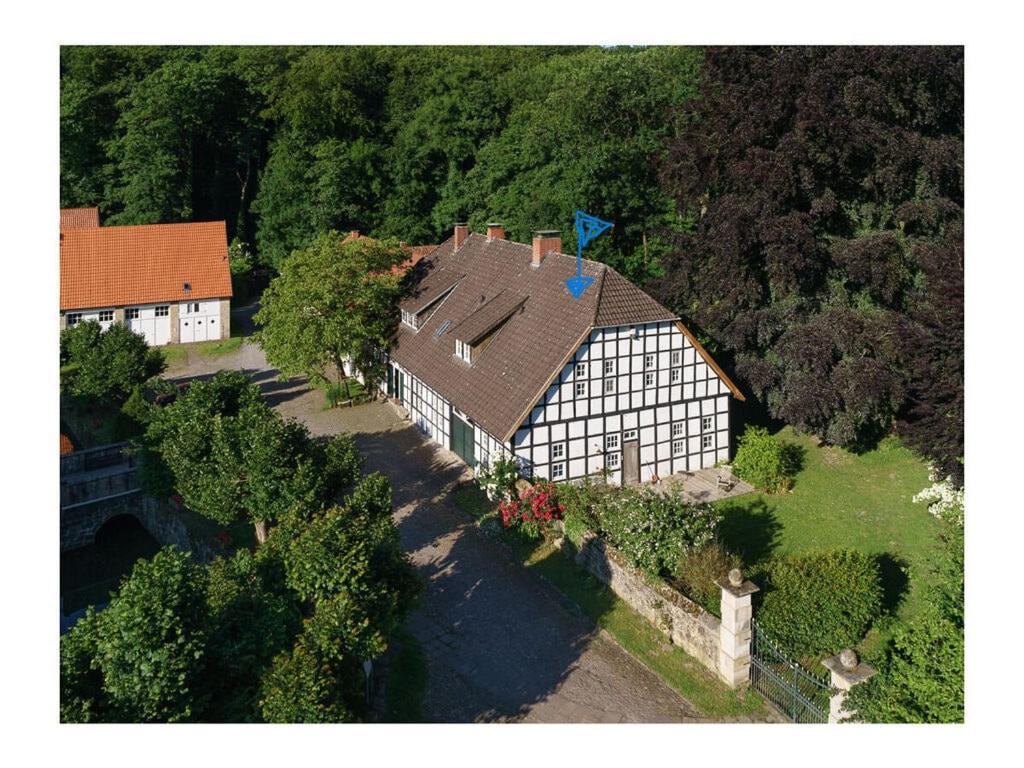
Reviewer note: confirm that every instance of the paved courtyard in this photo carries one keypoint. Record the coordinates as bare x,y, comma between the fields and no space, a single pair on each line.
500,644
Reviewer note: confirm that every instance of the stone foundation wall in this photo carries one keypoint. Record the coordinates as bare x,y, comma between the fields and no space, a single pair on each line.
684,622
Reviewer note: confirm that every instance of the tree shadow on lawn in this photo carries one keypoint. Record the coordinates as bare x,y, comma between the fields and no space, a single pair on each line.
749,529
893,572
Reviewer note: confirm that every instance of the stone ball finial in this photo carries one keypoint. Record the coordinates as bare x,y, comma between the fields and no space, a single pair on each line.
848,658
736,577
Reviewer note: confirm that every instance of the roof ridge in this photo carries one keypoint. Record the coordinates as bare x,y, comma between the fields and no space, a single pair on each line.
600,291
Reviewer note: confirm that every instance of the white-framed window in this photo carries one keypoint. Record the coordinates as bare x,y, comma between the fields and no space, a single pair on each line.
132,313
675,375
677,428
611,442
678,447
74,318
106,315
676,355
581,370
648,380
648,361
409,318
463,351
581,389
609,386
706,442
705,424
558,450
611,460
163,311
558,471
609,367
629,434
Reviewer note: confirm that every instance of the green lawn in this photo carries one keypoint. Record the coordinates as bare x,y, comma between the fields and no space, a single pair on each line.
841,499
677,668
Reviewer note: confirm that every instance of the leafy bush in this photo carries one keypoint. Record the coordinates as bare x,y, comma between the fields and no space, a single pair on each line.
105,365
696,570
499,480
533,510
765,461
576,527
652,529
818,603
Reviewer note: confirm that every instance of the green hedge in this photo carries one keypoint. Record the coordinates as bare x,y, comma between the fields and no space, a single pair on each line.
818,603
765,461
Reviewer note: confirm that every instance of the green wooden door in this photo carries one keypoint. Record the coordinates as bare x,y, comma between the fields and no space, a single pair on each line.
391,381
462,441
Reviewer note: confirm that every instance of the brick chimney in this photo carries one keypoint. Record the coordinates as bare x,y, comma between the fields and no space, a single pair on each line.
495,231
461,234
545,241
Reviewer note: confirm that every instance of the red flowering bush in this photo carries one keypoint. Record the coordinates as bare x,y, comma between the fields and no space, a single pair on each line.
535,508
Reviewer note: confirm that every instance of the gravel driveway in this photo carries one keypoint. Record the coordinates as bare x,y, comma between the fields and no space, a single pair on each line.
500,643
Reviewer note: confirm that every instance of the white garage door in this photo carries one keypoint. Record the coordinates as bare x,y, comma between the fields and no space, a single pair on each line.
199,328
156,330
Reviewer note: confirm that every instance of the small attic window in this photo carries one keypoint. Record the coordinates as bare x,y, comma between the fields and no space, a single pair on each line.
186,287
463,351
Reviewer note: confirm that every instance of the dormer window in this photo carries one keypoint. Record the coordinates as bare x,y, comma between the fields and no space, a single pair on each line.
415,315
463,351
409,319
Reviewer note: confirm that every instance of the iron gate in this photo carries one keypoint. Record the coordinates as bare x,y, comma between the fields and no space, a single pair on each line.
799,694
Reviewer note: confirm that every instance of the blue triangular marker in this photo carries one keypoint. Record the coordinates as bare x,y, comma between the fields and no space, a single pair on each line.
587,228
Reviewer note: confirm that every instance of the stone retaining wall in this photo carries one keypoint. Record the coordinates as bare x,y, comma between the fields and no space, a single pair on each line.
684,622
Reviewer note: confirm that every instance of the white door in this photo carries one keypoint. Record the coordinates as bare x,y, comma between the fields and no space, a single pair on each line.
161,330
186,330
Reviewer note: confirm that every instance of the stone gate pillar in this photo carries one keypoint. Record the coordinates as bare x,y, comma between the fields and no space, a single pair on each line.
734,635
846,671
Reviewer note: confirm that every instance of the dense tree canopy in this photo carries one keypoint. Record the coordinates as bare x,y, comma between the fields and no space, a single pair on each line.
826,258
106,365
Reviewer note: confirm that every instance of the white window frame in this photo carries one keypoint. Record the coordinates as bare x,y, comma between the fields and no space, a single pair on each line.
580,390
676,357
706,423
677,429
131,313
611,441
648,379
609,367
73,319
581,370
558,471
409,319
106,316
675,375
557,451
164,310
609,386
629,434
679,447
463,351
707,442
648,361
612,460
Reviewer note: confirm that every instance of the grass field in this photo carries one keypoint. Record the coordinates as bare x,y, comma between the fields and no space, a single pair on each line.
841,499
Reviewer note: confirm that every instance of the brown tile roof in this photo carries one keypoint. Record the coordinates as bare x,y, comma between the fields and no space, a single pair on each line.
416,252
115,266
488,317
508,377
79,218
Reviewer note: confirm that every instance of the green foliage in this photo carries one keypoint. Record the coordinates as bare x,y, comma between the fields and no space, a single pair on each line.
342,463
653,529
302,687
765,461
498,480
818,603
696,571
333,301
229,455
152,662
105,365
575,526
920,675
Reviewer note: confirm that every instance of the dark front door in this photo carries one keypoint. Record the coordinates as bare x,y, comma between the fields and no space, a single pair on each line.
462,441
631,462
400,386
391,381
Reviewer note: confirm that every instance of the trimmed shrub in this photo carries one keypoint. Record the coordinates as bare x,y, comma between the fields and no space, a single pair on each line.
818,603
576,526
765,461
653,530
696,570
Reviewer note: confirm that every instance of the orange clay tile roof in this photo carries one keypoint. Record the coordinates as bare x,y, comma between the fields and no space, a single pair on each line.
416,252
65,444
117,266
79,218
